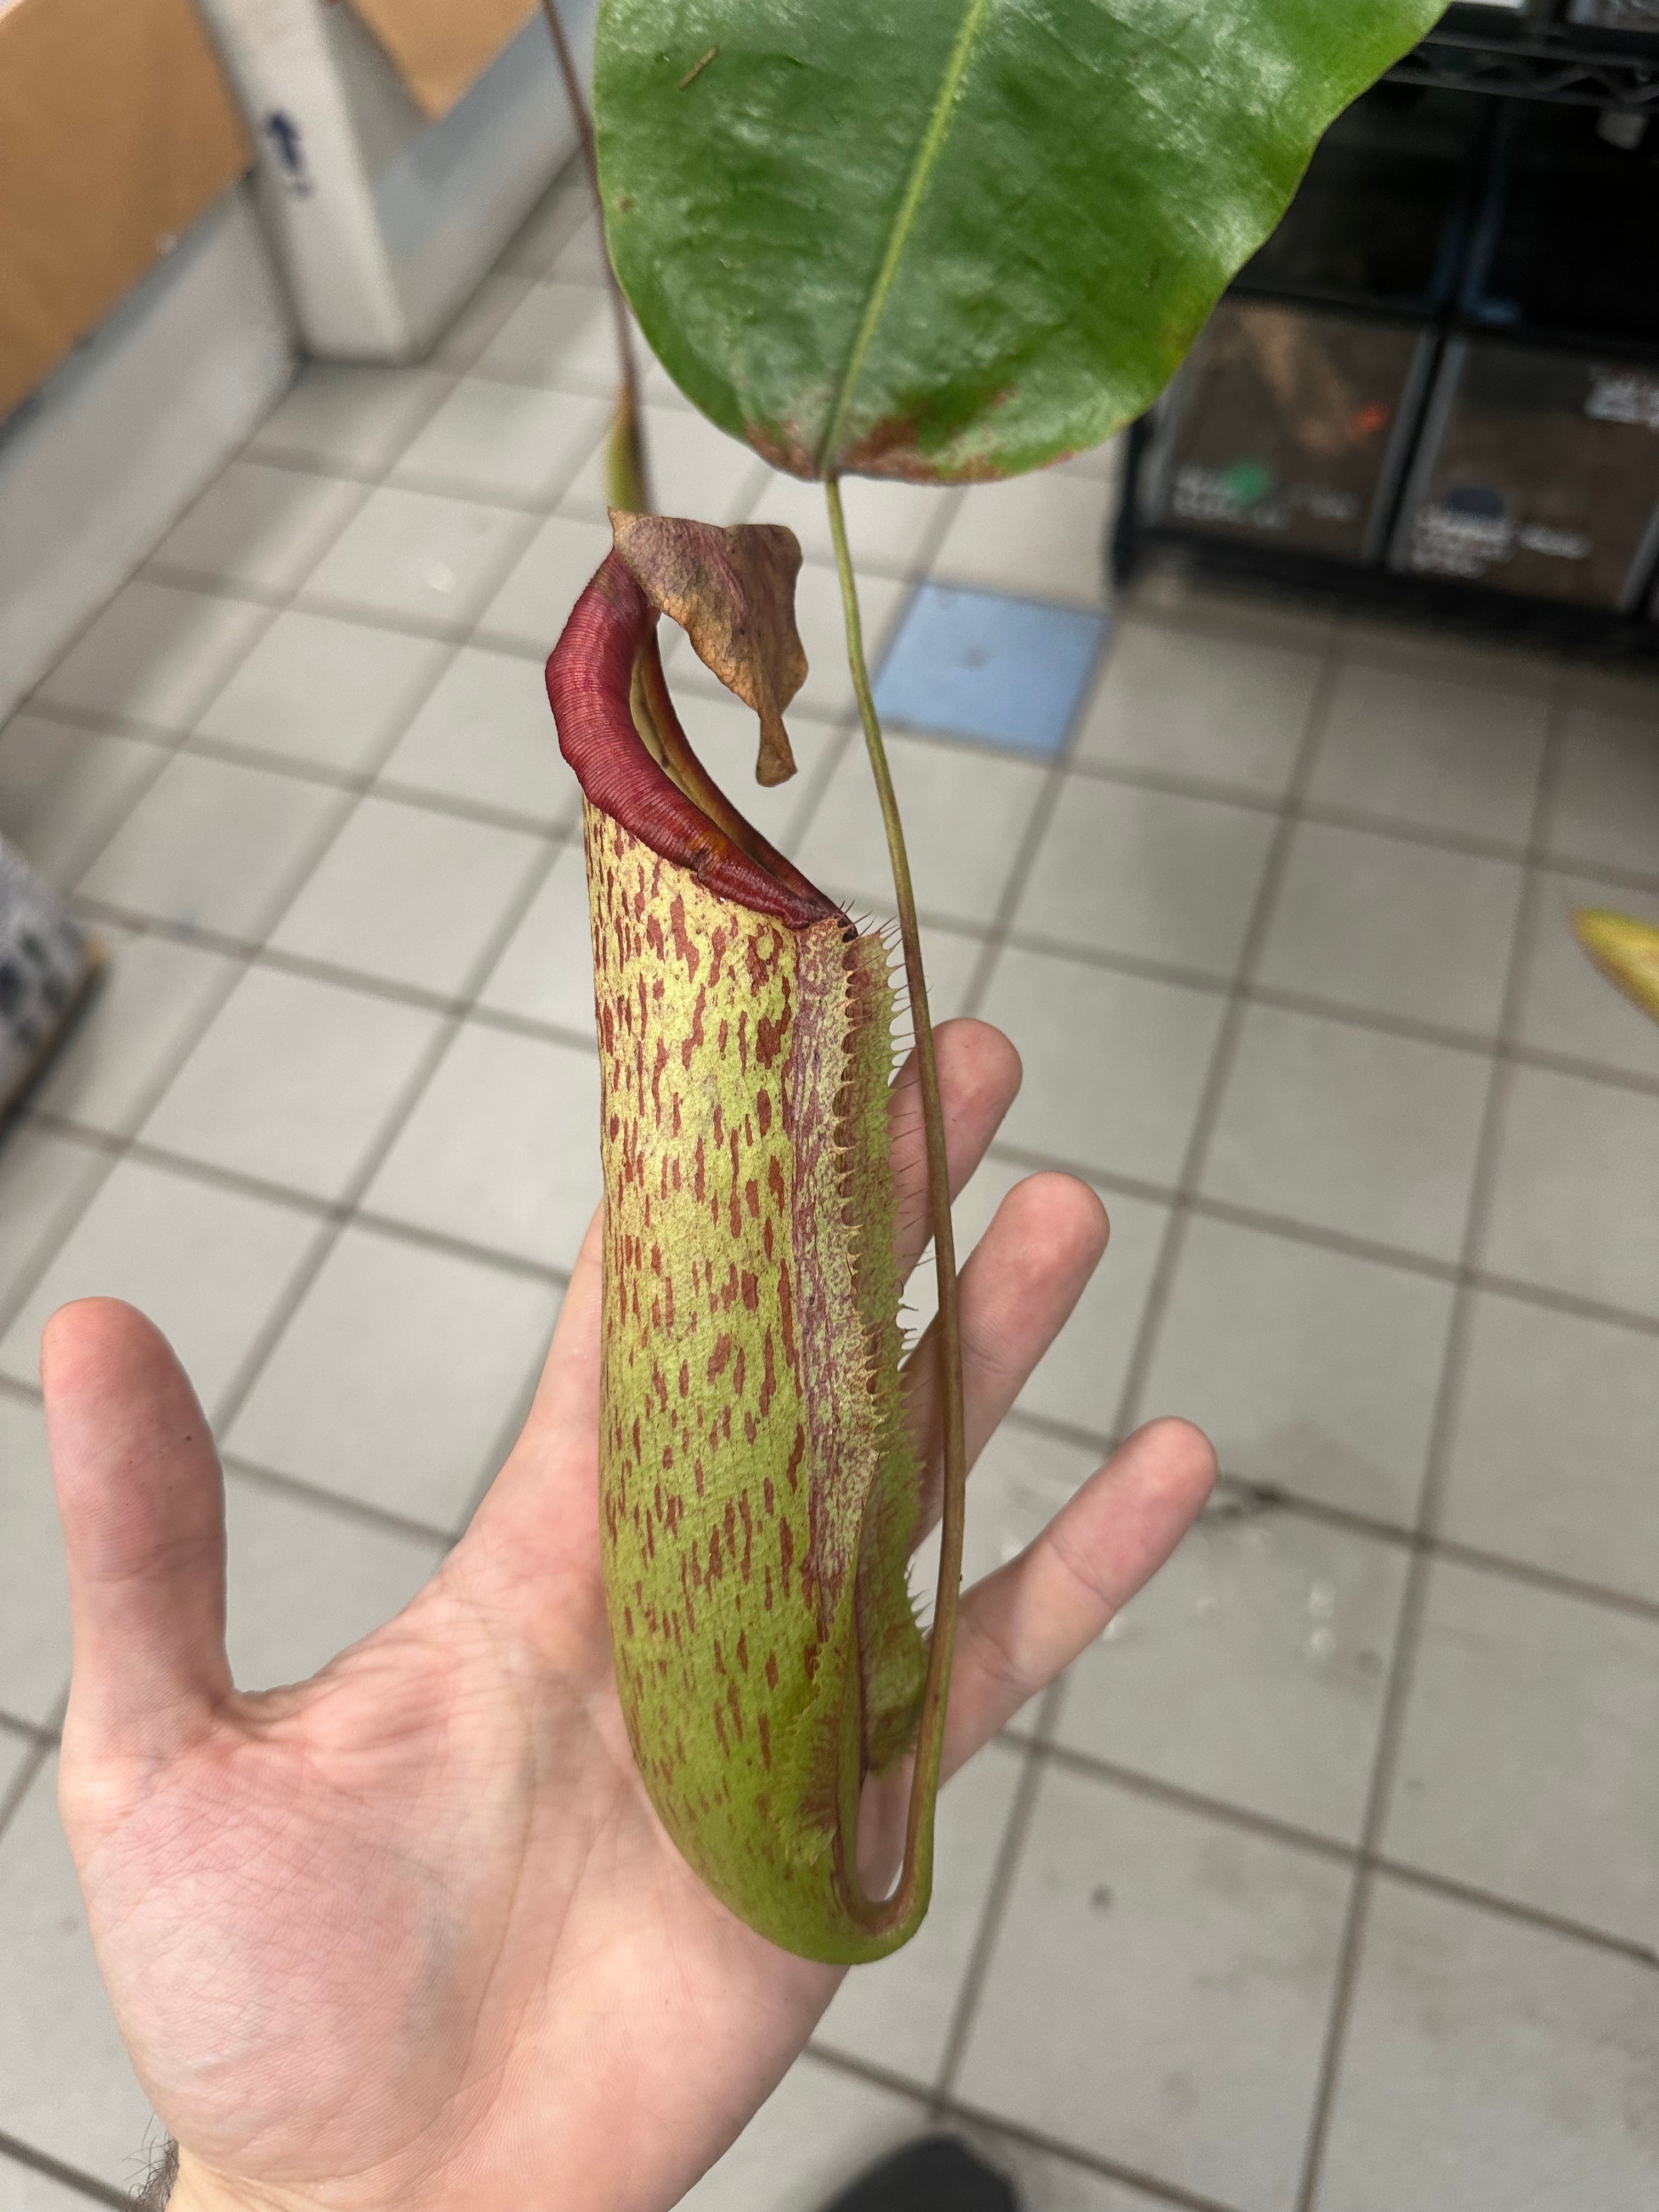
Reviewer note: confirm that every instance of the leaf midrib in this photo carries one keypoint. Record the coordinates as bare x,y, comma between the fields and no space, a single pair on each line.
927,158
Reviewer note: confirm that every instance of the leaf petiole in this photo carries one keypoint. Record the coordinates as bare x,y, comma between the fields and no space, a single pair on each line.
628,478
904,1908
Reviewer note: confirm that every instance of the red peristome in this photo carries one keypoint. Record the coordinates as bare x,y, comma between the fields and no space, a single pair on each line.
590,673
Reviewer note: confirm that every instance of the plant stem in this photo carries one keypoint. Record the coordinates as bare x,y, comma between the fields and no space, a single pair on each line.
908,1901
629,477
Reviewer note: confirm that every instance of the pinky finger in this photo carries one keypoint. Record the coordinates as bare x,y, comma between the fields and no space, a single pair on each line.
1024,1625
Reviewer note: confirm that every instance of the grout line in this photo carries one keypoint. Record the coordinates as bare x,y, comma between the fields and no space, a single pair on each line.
1002,933
1396,829
342,609
69,2177
114,1147
958,2109
1245,1495
1015,1829
328,1213
837,2061
1414,1027
1208,1108
322,1210
31,1731
231,1399
1346,1012
556,826
165,749
1601,872
100,721
1121,1186
1156,1790
373,783
1628,1602
253,954
1054,2147
1588,1071
527,1025
443,381
254,1472
1176,783
1414,1599
461,1248
815,784
569,187
1251,1498
998,934
1398,1257
1091,1438
213,1173
454,1011
1513,1909
1173,783
338,1502
1402,829
23,1781
1137,1783
213,1002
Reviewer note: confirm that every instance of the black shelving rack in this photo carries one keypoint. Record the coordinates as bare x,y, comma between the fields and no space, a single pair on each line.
1508,98
1566,64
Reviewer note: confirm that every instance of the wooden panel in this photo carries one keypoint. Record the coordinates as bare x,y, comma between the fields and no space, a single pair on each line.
441,48
117,131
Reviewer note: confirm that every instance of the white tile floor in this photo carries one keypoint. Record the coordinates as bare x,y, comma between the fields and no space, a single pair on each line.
1327,1883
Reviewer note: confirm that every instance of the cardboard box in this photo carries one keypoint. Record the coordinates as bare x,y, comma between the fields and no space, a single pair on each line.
117,131
441,48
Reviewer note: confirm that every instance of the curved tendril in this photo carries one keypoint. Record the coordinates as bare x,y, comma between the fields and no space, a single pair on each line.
903,1909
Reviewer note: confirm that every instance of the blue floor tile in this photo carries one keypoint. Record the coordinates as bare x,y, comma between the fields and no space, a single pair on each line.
980,665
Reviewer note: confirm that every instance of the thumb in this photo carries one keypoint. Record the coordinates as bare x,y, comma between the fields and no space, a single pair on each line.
142,1502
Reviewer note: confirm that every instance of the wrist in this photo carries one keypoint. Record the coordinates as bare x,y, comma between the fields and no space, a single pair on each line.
196,2188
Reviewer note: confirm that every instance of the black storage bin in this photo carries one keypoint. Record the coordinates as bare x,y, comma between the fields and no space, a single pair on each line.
1378,219
1538,472
1571,240
1289,426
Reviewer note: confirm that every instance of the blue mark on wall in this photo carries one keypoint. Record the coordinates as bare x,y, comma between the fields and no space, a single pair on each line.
288,146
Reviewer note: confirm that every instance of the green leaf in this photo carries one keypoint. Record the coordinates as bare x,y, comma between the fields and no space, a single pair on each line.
951,239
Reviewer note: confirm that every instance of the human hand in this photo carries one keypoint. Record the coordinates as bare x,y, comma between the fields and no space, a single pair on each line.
410,1934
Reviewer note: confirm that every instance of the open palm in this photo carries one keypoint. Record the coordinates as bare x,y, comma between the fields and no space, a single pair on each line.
410,1934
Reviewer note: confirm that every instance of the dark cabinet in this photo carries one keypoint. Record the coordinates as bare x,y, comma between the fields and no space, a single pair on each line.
1441,370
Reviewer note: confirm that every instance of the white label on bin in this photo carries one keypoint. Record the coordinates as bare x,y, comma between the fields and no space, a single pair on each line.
1246,494
1448,542
1624,395
1559,544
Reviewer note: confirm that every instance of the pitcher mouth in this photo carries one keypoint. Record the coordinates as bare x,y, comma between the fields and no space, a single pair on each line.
618,730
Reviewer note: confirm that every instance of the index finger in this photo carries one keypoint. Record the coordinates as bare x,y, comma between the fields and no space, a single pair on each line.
979,1076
